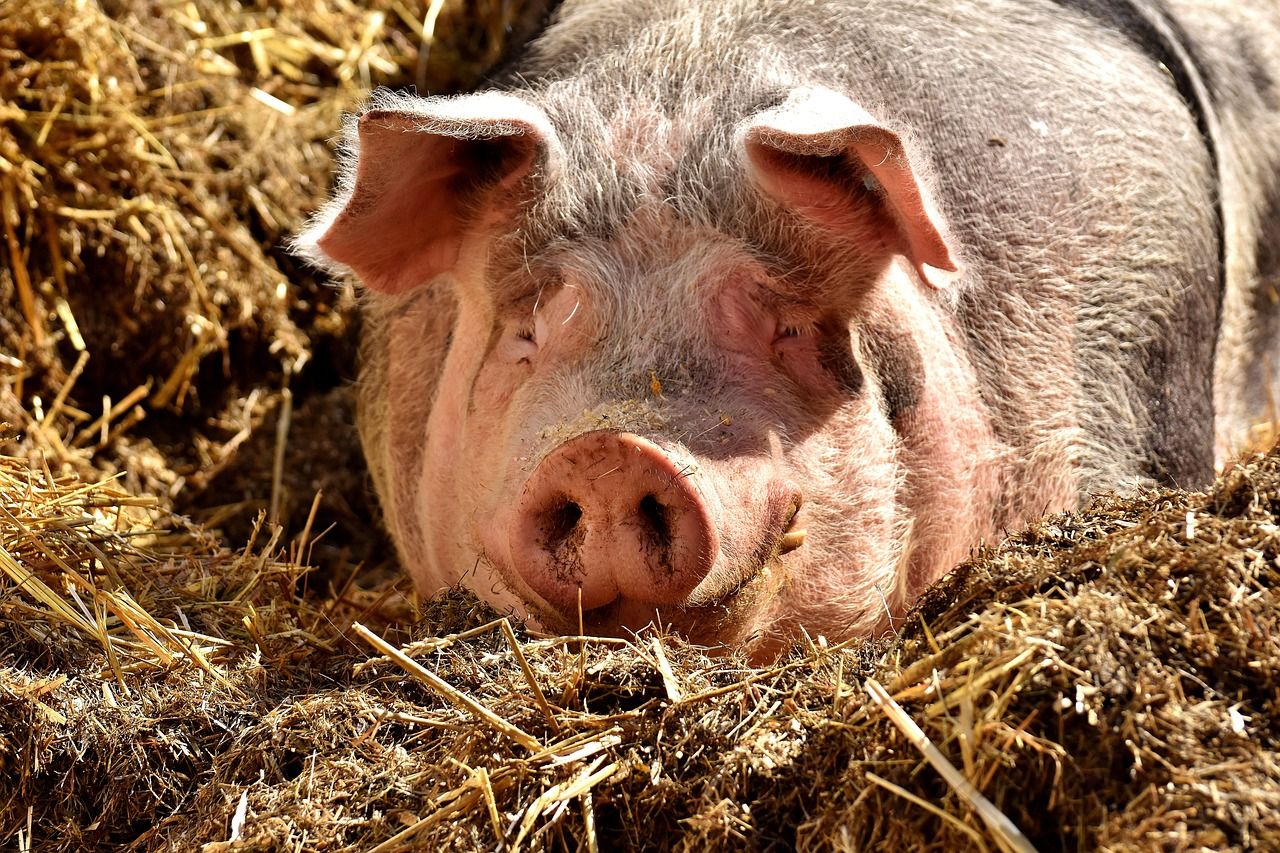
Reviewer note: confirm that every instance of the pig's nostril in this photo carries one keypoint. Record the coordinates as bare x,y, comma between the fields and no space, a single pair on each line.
559,523
653,517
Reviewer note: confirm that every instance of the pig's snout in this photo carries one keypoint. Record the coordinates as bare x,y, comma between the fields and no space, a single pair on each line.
617,517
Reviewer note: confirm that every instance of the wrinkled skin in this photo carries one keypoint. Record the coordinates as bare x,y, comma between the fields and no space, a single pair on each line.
752,317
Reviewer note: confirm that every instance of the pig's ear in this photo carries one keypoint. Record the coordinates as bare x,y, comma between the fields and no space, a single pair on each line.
419,173
827,158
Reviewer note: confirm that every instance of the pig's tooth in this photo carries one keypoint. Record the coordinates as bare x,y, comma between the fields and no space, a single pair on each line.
791,541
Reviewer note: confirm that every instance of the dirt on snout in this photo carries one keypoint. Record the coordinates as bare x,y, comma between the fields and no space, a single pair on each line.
205,643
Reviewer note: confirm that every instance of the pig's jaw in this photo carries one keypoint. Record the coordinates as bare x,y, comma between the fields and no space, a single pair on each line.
735,621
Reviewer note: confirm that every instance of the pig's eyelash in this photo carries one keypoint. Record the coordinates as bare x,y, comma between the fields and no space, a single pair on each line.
526,333
796,329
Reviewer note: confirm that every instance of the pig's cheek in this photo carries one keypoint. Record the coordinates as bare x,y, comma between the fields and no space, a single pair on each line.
443,515
458,464
845,571
494,472
948,448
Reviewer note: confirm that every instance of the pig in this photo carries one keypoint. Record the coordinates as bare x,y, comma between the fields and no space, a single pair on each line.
744,318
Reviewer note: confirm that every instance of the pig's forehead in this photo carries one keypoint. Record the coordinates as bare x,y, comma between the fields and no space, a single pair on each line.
632,165
654,243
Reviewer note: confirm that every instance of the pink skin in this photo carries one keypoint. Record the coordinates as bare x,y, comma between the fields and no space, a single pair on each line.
410,170
620,558
881,524
818,123
501,490
544,496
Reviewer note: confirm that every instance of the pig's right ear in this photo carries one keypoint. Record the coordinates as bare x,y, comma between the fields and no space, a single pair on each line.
417,175
824,156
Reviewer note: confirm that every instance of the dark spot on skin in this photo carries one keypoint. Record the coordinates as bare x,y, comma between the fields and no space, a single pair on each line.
895,359
1269,242
835,354
1179,379
1265,298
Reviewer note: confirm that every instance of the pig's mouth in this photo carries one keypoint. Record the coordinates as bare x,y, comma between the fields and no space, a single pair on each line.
726,621
726,610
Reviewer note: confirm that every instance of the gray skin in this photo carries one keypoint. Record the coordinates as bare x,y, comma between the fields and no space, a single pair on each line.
1109,180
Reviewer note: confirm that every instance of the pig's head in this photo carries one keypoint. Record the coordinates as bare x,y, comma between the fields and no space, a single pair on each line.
627,368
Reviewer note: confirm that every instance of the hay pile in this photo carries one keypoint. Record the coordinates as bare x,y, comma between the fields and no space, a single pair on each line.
1105,679
154,158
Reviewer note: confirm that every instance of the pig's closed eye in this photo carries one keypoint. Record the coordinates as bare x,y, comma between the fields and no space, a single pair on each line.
788,334
795,343
523,343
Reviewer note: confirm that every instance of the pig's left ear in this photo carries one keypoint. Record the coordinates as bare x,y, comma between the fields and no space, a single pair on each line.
825,157
418,173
